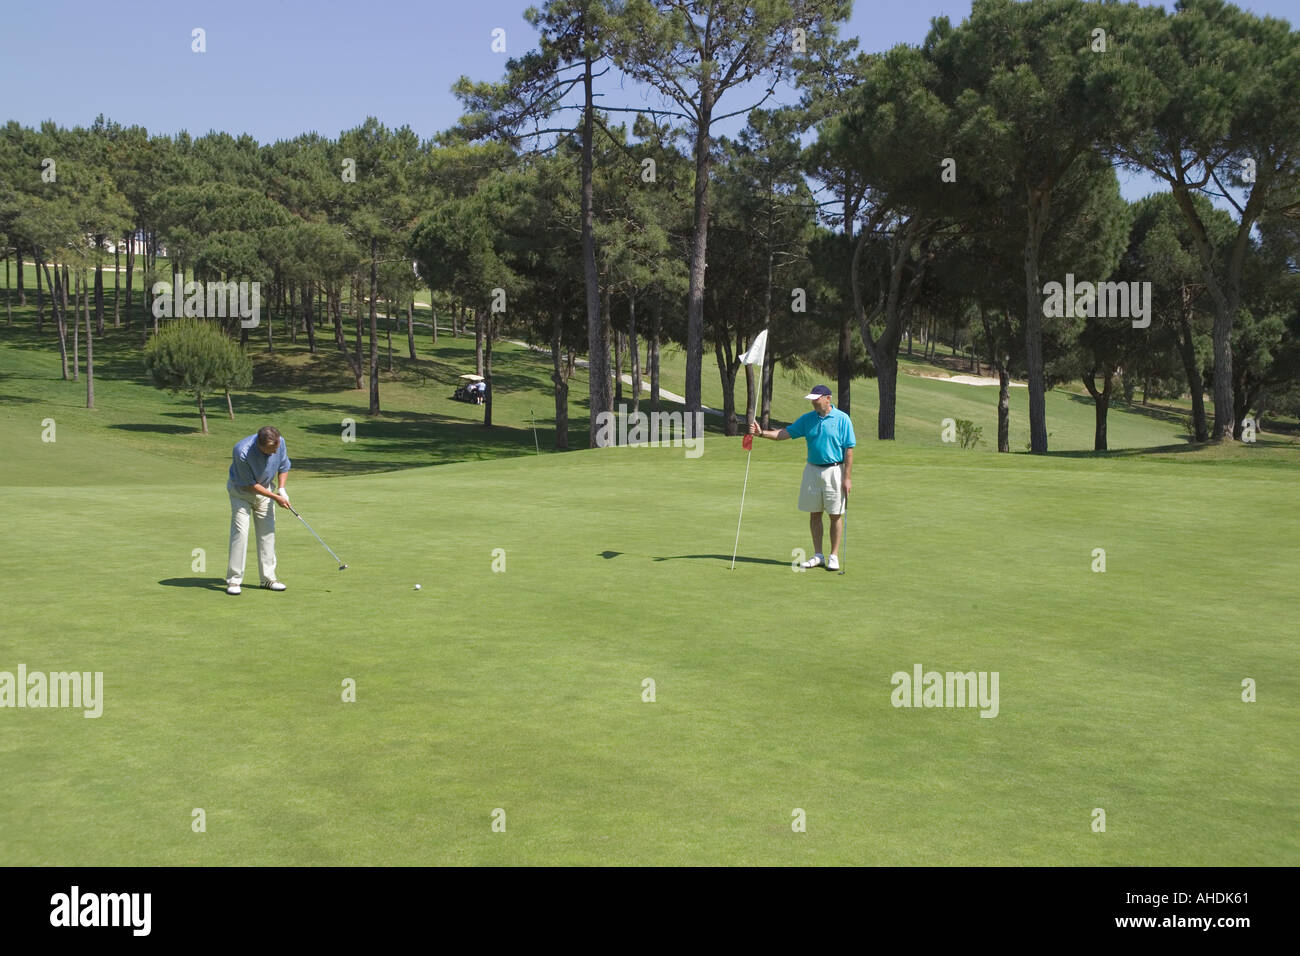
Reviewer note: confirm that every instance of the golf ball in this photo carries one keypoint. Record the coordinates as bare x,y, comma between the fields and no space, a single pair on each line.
417,587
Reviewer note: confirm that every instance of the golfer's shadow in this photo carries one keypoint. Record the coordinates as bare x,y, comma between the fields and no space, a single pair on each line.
207,584
724,558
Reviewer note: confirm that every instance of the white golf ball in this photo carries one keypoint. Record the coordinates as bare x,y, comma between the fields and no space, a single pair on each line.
417,587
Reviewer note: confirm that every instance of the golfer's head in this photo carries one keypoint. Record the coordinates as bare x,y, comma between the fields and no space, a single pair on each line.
268,440
820,397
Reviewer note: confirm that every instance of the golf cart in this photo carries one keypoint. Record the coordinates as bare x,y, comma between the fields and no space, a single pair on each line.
472,389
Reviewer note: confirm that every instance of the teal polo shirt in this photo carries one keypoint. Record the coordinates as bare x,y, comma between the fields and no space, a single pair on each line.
827,435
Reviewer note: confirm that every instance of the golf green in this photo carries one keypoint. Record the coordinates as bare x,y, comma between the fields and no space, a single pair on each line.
510,689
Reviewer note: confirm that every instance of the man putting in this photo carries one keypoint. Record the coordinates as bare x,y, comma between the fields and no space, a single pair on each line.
826,482
256,461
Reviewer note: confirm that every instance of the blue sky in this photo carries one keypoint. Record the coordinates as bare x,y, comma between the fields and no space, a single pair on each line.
277,68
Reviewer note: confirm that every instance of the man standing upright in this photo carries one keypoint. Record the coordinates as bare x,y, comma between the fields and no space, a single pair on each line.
826,483
256,462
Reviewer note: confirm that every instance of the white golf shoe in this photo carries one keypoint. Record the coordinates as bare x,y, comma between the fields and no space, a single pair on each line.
232,589
814,562
833,563
274,586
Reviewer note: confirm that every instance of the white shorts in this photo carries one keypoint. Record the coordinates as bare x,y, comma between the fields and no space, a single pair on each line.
822,489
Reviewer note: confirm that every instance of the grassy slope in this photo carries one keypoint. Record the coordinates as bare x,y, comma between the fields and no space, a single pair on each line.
522,690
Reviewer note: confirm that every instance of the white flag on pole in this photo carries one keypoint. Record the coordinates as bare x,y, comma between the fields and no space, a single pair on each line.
756,351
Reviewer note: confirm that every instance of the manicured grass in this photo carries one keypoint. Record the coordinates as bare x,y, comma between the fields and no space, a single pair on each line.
522,689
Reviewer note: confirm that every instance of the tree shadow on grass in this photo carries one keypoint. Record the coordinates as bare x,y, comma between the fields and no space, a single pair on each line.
161,428
725,558
205,584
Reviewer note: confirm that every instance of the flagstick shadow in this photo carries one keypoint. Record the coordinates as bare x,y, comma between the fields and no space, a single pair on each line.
740,559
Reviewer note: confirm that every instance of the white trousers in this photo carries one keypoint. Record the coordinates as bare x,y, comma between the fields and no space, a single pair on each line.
244,504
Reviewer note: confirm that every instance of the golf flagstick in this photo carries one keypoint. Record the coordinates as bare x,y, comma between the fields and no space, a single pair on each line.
753,356
736,547
844,533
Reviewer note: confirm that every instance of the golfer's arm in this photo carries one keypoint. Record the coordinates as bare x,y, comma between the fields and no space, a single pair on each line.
261,490
776,434
848,463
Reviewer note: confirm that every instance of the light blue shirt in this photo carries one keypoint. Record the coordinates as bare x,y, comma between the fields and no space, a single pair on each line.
250,467
827,435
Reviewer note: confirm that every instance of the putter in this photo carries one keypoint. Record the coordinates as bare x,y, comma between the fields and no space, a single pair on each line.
342,566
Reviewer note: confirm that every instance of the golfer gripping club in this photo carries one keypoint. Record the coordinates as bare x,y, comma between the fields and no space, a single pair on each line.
256,463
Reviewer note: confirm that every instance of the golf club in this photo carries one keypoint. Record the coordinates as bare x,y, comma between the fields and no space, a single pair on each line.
342,566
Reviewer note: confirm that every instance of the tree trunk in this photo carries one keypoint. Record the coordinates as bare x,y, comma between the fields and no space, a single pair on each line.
308,300
99,288
654,358
374,327
334,301
844,352
1102,403
1187,350
410,327
727,368
887,387
618,369
487,364
203,413
388,330
90,343
356,307
1004,408
60,314
1038,200
561,381
698,260
117,285
130,264
751,396
478,342
40,304
599,396
76,326
9,311
634,353
18,254
1004,381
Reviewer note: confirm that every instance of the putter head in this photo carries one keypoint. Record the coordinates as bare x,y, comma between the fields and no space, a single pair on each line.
343,567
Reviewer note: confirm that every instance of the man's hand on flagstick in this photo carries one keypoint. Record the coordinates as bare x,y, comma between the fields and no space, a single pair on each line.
754,429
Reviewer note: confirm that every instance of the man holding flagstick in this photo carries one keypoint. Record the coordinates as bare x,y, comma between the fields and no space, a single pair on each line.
826,478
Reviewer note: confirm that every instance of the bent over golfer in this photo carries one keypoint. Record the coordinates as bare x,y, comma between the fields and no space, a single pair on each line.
256,462
826,483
